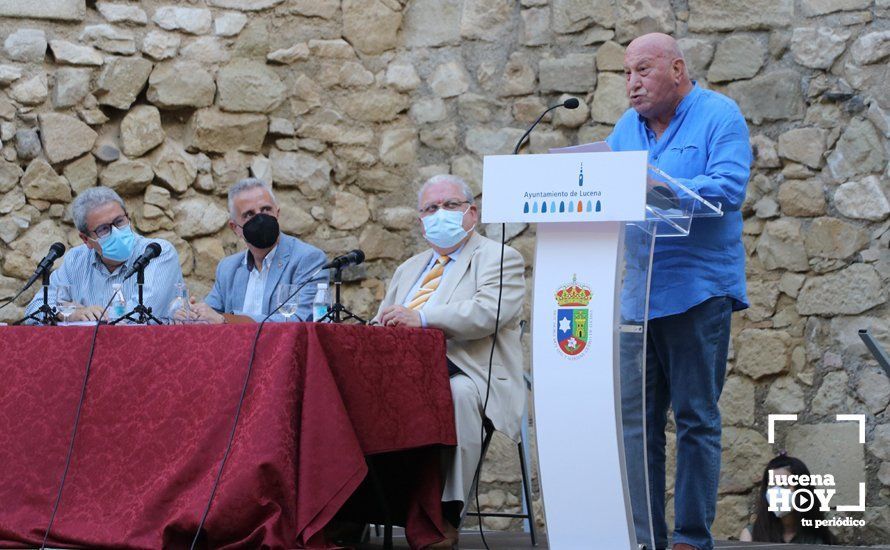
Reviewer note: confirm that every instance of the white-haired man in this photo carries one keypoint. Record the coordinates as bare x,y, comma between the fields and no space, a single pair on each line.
453,286
245,282
110,246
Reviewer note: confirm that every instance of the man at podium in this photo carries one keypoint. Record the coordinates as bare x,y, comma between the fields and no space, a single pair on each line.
699,137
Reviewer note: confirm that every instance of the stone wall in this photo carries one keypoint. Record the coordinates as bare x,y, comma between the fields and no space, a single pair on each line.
347,105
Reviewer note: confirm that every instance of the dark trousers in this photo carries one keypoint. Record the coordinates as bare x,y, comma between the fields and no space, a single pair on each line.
685,369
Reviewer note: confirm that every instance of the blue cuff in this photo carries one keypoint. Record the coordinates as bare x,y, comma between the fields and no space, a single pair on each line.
422,319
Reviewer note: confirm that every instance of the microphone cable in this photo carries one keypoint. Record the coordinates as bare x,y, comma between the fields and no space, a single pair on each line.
570,103
228,450
494,341
14,298
83,394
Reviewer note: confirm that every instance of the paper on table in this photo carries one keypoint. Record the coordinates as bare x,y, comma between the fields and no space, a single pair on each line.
595,147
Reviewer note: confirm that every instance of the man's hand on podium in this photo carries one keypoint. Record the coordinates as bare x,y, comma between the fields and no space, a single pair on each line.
660,195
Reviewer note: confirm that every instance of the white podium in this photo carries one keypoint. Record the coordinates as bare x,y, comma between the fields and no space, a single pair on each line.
595,238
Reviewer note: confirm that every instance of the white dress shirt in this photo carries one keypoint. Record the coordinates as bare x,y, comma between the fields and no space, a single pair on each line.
256,283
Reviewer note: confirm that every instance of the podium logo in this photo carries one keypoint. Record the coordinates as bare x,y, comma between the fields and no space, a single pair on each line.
572,315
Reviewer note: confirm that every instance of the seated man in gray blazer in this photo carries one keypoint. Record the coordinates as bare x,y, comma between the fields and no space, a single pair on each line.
246,282
453,286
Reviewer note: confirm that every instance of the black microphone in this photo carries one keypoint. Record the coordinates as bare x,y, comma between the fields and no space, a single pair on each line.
56,251
570,103
152,251
354,257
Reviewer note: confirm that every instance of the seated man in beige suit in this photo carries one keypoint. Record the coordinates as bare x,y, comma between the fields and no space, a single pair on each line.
453,286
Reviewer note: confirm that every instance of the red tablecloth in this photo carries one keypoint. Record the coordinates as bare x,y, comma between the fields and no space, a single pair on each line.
158,413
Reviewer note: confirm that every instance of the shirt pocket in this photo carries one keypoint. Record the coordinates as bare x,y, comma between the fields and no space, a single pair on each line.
686,161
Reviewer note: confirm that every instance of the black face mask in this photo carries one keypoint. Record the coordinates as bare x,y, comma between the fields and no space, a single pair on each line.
261,231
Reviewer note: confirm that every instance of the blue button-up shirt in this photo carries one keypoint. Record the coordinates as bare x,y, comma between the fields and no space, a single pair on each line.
91,282
705,147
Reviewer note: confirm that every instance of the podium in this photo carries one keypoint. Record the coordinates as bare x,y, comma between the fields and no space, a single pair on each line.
597,224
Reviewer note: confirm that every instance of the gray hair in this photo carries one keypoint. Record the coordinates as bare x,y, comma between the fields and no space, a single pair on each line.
245,185
446,178
89,200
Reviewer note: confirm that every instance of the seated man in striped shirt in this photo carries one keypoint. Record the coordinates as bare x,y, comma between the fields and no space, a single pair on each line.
110,246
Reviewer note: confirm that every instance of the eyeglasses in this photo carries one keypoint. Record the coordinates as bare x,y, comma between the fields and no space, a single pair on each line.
105,229
450,205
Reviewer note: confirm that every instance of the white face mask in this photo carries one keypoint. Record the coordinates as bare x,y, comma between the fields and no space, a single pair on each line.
777,495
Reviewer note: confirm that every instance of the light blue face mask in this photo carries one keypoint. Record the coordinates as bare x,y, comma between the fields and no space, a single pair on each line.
445,228
118,245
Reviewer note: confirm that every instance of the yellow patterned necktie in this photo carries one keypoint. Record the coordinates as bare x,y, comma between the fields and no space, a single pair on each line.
430,284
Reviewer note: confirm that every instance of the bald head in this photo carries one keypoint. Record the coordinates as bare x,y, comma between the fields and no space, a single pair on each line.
656,44
655,76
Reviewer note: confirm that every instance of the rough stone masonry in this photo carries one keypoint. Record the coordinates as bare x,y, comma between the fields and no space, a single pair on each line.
346,105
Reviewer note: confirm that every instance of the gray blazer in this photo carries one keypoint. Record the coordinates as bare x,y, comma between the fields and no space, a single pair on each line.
294,262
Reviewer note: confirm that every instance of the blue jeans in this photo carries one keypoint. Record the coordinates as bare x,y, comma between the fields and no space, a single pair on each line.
685,369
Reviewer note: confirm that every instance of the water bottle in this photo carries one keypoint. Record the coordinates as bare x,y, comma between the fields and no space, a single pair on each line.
118,302
322,302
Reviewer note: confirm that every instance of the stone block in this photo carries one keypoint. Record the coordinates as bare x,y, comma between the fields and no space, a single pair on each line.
122,80
573,73
862,199
762,352
638,17
198,216
245,86
745,453
189,20
781,246
610,99
818,47
728,15
64,137
772,96
214,131
858,151
26,45
178,84
371,26
833,238
432,23
802,198
62,10
141,130
849,291
804,145
831,448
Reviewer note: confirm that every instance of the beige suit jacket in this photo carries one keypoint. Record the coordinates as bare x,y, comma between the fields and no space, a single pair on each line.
464,307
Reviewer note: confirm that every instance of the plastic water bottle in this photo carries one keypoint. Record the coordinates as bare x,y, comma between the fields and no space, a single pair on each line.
118,303
322,302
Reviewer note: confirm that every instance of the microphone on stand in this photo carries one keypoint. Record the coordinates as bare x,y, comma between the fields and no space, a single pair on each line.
152,251
353,257
570,103
56,251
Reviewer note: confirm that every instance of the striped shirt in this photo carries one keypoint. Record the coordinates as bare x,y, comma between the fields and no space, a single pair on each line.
91,283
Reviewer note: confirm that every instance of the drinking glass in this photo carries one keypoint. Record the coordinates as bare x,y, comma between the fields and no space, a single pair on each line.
289,300
64,302
179,303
